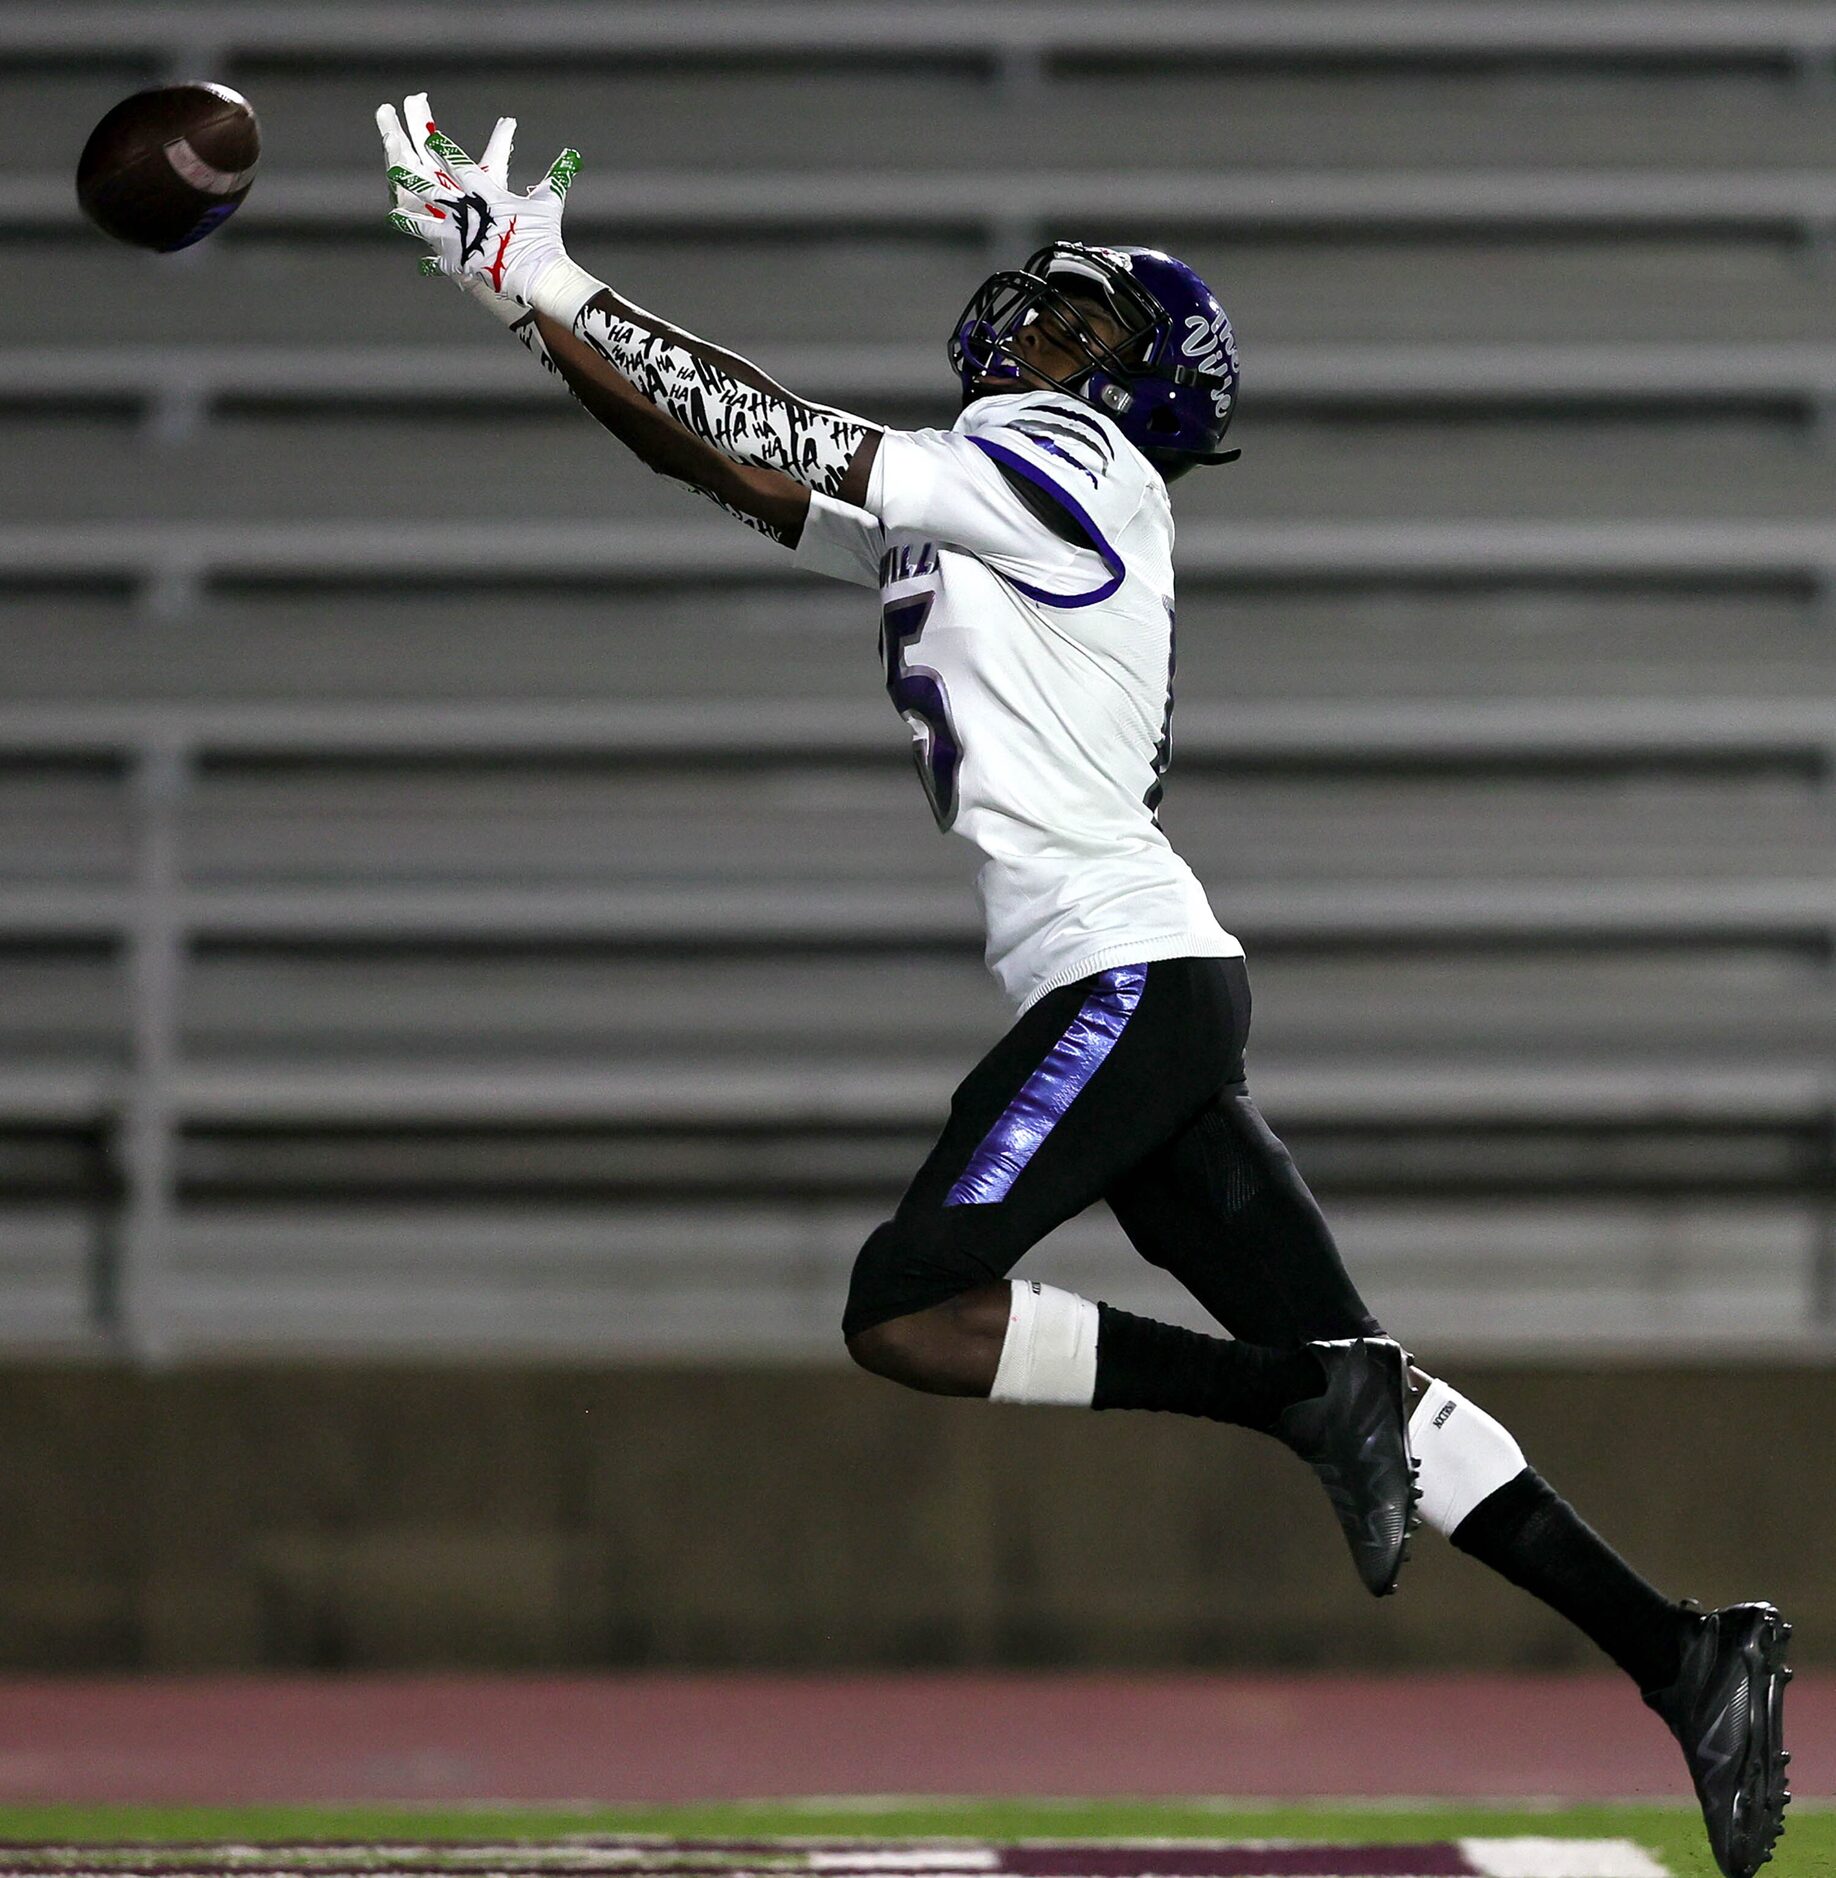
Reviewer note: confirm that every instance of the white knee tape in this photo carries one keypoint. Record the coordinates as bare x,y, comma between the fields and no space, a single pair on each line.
1465,1455
1051,1347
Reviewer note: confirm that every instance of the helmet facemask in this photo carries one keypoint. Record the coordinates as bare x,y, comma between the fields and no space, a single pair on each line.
1008,302
1168,378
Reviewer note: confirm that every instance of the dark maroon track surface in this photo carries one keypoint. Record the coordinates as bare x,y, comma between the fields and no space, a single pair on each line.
696,1737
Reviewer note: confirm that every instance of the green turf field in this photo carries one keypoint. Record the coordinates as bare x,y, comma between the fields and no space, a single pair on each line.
1673,1832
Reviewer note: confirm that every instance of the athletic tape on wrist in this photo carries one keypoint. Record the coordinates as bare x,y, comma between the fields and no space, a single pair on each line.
1465,1455
498,305
561,290
1050,1352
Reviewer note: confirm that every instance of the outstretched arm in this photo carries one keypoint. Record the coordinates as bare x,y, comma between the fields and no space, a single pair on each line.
706,418
688,409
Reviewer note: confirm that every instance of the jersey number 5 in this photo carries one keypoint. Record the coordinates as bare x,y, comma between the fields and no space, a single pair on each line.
919,696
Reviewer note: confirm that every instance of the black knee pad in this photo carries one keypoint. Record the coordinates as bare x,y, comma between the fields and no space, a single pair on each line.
914,1261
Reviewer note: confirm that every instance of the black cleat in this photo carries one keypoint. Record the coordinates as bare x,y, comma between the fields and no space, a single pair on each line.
1727,1708
1355,1436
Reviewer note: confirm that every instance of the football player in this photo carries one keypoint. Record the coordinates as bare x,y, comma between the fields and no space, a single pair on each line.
1023,561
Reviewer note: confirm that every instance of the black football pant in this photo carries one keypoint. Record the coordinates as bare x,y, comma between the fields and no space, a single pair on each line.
1128,1087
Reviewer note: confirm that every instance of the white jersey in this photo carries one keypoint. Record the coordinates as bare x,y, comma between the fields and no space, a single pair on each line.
1035,674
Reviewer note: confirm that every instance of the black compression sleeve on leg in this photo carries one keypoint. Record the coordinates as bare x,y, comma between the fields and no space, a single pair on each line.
1142,1364
1224,1209
1531,1536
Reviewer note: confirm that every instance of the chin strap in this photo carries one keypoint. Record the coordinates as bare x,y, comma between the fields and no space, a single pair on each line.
1073,387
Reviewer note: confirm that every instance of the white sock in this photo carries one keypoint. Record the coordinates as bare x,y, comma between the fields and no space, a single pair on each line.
1465,1455
1050,1351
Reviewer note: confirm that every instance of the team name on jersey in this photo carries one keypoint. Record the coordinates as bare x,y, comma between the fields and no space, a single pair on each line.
899,564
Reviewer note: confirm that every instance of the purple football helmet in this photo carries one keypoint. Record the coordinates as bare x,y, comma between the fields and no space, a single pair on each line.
1169,383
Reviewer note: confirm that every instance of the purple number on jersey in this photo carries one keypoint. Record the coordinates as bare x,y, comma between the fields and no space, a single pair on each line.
919,696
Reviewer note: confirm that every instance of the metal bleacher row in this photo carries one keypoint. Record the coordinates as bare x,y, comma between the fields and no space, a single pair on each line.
459,892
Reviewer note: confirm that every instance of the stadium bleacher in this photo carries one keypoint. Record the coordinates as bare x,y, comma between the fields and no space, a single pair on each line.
565,962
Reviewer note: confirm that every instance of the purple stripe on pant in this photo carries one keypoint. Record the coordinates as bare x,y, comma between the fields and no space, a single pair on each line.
1040,1104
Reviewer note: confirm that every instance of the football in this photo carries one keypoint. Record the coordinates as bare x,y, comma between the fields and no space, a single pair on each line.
168,166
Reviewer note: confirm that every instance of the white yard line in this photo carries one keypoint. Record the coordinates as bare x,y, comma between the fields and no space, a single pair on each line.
910,1858
1561,1858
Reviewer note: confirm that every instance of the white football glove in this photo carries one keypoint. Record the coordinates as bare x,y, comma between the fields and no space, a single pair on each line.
482,229
405,151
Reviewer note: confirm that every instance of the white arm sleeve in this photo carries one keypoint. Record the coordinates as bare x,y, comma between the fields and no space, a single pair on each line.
723,399
522,321
843,542
958,488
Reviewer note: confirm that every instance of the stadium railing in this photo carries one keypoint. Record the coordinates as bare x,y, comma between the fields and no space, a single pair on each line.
388,1274
168,563
145,1102
757,1280
1787,915
1026,32
1797,205
1798,733
155,917
178,387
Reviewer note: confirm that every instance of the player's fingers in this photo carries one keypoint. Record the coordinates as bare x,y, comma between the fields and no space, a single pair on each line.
396,148
450,157
417,118
561,174
398,152
422,211
417,114
410,173
421,189
417,224
496,159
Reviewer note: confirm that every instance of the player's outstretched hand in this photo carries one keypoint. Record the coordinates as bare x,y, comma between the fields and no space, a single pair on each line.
411,165
465,210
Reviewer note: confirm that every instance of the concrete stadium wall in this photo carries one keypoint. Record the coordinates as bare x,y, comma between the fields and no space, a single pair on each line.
369,1517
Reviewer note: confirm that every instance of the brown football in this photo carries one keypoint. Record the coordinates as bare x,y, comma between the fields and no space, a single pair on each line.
166,167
